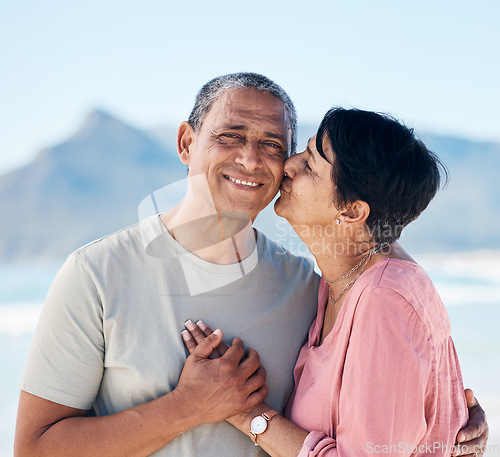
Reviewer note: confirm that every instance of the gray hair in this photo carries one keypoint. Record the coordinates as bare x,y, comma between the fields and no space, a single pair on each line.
212,90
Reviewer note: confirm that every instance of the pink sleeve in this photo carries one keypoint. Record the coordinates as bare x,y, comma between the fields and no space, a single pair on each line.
386,371
317,444
386,374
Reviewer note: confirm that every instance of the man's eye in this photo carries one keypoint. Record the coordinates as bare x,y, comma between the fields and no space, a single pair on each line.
228,138
275,148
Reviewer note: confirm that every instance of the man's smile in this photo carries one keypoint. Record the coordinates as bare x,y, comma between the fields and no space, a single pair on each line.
243,182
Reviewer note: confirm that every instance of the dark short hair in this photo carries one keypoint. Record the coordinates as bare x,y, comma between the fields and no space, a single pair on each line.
380,161
213,89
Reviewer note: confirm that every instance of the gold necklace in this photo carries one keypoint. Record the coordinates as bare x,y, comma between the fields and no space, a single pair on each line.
365,259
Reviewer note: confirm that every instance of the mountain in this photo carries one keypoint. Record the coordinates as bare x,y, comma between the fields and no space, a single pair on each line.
466,214
98,180
81,189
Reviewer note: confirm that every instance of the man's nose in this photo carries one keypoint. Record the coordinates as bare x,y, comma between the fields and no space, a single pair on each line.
250,156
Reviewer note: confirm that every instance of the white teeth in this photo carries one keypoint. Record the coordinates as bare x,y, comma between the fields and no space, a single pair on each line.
245,183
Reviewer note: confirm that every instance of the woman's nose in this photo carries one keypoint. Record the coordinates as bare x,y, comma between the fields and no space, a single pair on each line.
290,166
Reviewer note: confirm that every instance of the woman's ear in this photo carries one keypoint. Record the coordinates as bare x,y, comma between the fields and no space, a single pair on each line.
356,213
185,138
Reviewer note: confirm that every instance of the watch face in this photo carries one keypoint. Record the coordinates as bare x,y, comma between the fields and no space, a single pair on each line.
258,425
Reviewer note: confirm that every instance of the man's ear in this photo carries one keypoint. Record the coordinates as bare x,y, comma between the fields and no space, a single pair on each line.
185,138
356,213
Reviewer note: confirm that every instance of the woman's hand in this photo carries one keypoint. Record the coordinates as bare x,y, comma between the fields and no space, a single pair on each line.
194,335
473,438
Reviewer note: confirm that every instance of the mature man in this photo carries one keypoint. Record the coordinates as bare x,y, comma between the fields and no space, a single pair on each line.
106,372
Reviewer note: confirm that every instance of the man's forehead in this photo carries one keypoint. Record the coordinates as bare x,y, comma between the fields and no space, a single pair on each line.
245,107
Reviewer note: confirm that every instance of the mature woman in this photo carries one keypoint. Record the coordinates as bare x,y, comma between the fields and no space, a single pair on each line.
379,373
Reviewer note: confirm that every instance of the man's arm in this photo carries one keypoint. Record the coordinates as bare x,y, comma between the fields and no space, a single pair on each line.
473,437
45,428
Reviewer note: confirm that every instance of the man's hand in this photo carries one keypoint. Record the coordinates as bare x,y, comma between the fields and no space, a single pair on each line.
472,439
215,389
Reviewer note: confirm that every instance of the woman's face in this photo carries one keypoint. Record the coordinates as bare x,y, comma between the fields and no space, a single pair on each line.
306,192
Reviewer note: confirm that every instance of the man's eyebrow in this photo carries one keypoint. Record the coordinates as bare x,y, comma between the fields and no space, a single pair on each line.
234,127
244,127
276,135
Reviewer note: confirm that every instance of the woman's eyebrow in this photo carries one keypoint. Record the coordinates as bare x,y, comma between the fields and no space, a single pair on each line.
311,153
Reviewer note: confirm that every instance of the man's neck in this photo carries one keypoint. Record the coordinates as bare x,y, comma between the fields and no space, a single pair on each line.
219,237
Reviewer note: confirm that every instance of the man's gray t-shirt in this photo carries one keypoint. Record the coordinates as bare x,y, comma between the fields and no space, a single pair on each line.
109,335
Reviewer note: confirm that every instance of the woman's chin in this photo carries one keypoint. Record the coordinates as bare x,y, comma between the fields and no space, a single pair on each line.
281,211
278,207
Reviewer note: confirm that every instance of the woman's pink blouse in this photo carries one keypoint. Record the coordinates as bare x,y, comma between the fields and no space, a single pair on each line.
386,380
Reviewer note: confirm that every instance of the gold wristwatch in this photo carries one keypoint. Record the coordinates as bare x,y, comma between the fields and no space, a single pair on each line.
259,424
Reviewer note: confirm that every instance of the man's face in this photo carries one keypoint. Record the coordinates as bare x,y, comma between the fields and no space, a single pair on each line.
241,147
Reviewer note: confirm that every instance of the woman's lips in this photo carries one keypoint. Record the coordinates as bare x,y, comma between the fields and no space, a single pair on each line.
286,185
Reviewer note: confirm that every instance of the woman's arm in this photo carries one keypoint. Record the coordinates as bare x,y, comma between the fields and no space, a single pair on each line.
283,438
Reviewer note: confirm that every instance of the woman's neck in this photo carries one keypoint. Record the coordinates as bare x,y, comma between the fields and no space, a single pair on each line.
341,272
351,267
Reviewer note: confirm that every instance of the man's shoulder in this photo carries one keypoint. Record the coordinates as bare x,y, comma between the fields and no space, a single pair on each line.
283,259
123,242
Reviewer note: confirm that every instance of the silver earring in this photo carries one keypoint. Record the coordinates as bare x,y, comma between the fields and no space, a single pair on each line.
337,221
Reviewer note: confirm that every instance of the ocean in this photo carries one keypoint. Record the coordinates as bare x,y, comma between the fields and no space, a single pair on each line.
469,285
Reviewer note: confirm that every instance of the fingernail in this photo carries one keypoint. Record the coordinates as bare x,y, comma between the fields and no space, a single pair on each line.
218,332
201,324
185,335
189,325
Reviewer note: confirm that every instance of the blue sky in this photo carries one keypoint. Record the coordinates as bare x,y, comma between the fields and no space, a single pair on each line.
432,63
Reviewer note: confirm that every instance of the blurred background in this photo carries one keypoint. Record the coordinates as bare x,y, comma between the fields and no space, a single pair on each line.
92,94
